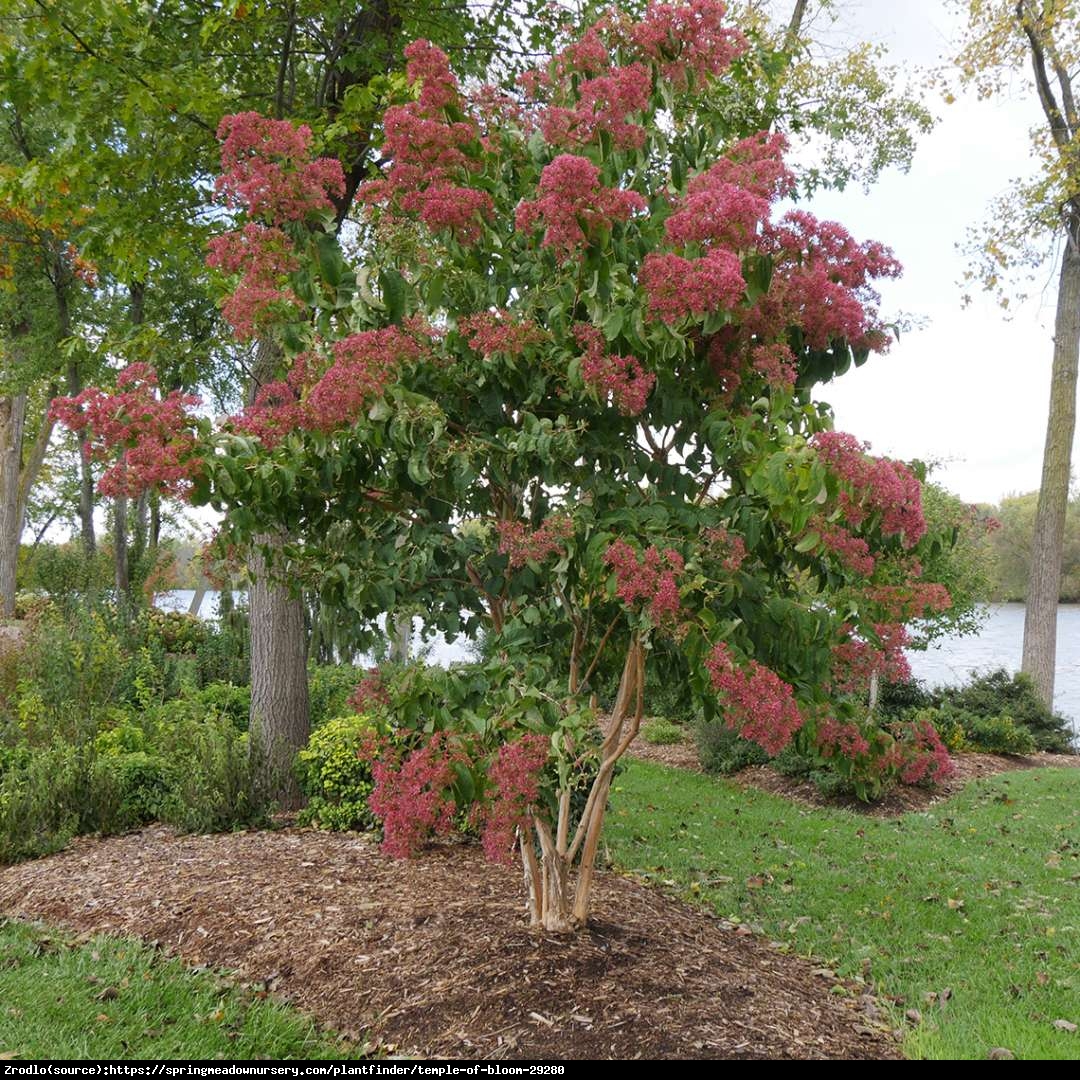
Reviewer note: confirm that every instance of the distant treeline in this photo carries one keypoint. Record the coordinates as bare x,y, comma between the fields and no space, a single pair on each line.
1007,550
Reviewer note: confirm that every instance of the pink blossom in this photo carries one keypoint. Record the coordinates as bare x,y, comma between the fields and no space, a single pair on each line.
490,332
678,288
515,788
537,545
149,438
756,701
622,378
688,40
573,206
652,577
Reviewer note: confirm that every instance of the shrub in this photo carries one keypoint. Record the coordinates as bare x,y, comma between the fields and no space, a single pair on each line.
44,801
722,750
999,735
661,732
329,689
139,785
336,782
997,693
216,788
228,700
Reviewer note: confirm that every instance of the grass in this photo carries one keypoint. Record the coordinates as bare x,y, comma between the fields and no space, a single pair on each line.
979,895
110,998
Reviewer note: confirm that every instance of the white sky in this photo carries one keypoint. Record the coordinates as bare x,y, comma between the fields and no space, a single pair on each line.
971,388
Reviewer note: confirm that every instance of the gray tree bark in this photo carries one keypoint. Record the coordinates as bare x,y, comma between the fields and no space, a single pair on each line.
1044,584
12,424
280,710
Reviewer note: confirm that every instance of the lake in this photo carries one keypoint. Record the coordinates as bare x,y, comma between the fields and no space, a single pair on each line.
999,644
949,662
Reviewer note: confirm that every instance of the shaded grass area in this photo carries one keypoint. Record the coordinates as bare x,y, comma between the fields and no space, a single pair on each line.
968,912
110,998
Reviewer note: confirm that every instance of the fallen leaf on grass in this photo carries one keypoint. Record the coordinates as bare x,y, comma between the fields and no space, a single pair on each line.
1064,1025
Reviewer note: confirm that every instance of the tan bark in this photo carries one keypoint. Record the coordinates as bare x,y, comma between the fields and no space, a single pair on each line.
1044,584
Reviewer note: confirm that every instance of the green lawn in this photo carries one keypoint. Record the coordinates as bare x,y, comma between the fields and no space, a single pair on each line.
979,896
109,998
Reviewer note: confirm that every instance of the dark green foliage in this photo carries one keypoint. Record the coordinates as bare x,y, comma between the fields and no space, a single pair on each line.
139,785
896,698
722,750
997,693
329,688
228,700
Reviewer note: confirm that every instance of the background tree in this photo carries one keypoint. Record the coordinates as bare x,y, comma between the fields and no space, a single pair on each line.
1042,36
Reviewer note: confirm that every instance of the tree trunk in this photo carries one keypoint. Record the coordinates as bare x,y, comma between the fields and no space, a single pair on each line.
280,717
399,628
1044,584
121,570
86,476
280,714
12,423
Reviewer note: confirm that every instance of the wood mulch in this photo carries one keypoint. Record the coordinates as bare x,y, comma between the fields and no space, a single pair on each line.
432,957
901,800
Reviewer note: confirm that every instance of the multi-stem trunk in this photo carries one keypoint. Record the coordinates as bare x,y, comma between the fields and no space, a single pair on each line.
559,901
1044,583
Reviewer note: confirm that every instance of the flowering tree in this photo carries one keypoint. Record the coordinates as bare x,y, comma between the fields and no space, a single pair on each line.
565,400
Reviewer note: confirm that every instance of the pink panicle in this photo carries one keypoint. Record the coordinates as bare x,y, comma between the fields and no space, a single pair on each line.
573,206
515,777
756,701
148,438
652,577
537,545
622,378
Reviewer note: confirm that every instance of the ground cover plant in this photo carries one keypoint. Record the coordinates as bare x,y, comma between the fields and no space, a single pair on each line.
104,997
967,913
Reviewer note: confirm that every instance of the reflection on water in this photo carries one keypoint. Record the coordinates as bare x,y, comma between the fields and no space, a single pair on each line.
999,644
950,662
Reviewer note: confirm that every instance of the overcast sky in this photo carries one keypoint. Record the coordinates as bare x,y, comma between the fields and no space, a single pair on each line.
972,387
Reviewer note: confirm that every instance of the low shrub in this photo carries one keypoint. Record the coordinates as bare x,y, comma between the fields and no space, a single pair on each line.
334,778
329,688
136,786
997,693
661,732
228,700
722,750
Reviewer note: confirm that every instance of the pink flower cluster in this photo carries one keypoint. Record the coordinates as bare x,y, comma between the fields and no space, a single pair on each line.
852,551
515,788
820,283
603,105
412,796
149,438
653,577
370,693
855,661
525,546
489,332
360,368
877,485
264,257
622,378
921,755
688,39
754,164
913,600
430,152
728,547
756,701
679,288
267,169
717,212
835,737
573,206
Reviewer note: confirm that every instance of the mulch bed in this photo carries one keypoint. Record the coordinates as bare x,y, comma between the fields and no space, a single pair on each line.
432,957
901,799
